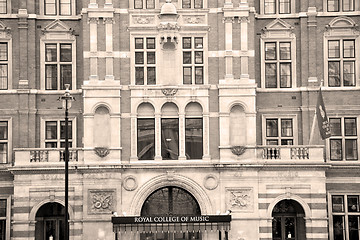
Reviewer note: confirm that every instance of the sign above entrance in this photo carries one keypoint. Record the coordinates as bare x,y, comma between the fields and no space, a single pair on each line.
172,219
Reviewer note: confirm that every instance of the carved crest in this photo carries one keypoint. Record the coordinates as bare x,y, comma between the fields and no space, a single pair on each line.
238,150
169,91
102,151
101,201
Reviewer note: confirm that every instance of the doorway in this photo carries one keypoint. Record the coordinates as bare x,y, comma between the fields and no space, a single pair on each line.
50,222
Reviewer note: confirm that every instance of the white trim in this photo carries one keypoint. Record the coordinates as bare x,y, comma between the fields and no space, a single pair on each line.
42,9
45,119
277,14
8,214
340,12
279,117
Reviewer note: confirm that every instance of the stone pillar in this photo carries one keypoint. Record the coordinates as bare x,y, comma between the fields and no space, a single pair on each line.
93,48
23,55
109,60
312,44
244,21
206,135
133,154
228,47
182,139
158,136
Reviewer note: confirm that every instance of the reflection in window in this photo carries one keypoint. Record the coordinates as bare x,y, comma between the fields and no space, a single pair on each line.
193,138
146,138
279,131
170,138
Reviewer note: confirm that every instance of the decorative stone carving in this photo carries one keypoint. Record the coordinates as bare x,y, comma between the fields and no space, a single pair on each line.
108,21
240,199
244,19
93,20
102,151
101,201
169,91
143,20
193,20
211,182
238,150
228,20
168,26
130,183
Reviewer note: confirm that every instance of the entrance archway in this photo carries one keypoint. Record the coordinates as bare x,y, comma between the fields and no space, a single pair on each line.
50,222
171,201
288,221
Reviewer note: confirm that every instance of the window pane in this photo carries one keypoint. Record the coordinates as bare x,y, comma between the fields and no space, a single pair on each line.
338,225
139,43
169,138
335,126
65,53
50,7
65,76
334,49
51,144
199,75
272,142
284,6
198,3
198,43
186,4
353,203
138,4
351,149
270,75
199,57
186,42
50,53
350,126
139,76
193,138
3,52
349,48
65,7
139,58
286,128
271,127
270,51
3,76
51,130
349,73
348,5
334,74
285,51
3,152
337,203
187,75
333,5
287,142
146,139
51,77
269,6
151,76
335,149
3,6
353,227
151,58
3,130
62,130
186,57
150,43
285,75
150,4
3,208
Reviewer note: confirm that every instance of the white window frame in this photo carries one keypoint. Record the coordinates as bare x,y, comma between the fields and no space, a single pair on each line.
193,65
279,117
344,30
73,9
144,5
292,8
274,33
145,65
5,37
8,214
341,9
343,137
192,4
58,120
8,7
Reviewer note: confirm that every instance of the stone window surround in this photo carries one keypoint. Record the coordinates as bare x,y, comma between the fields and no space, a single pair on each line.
57,119
279,117
72,3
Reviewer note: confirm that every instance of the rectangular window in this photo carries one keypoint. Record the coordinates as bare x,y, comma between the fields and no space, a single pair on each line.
270,6
4,65
278,68
279,131
170,138
145,61
277,6
3,215
55,134
3,6
341,63
345,216
58,7
340,5
193,60
146,4
284,6
58,66
343,140
146,139
192,3
4,141
193,138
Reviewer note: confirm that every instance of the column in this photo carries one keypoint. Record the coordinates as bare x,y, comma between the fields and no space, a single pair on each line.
312,46
206,135
133,127
244,47
93,48
23,55
182,139
109,60
228,47
158,136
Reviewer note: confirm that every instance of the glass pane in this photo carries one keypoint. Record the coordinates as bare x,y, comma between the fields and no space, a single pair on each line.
334,74
150,43
338,226
351,149
348,5
276,228
3,52
138,4
186,42
286,128
334,49
65,53
186,57
353,203
65,76
187,75
270,6
139,58
50,7
50,229
350,126
3,208
287,142
65,7
51,130
335,149
284,6
285,75
3,10
198,3
270,75
271,127
139,43
199,57
335,126
333,5
146,139
170,138
51,77
349,73
151,76
50,52
285,51
198,43
151,58
193,138
349,48
3,76
139,76
150,4
62,130
2,229
199,75
3,152
289,228
62,145
51,144
270,51
3,130
272,142
337,203
186,4
353,227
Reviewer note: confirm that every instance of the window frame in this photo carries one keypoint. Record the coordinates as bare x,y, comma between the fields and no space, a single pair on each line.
280,117
58,140
144,4
8,214
58,9
340,6
277,6
8,63
137,136
145,65
7,7
193,65
192,4
202,135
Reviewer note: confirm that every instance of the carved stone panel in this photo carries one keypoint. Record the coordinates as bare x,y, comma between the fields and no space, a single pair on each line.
240,199
101,201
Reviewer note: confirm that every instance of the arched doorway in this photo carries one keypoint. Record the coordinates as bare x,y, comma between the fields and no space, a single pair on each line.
288,221
50,222
170,201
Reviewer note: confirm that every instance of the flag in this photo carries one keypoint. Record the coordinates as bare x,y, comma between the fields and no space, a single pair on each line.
323,121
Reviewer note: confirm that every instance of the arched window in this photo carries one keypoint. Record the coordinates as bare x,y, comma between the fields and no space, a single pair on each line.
146,132
237,126
193,131
169,132
102,127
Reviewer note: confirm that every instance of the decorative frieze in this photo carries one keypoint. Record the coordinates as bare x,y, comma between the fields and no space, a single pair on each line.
228,20
143,19
101,201
240,199
169,92
93,20
194,19
108,21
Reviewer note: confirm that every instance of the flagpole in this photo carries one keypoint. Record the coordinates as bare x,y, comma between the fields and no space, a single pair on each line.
312,128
